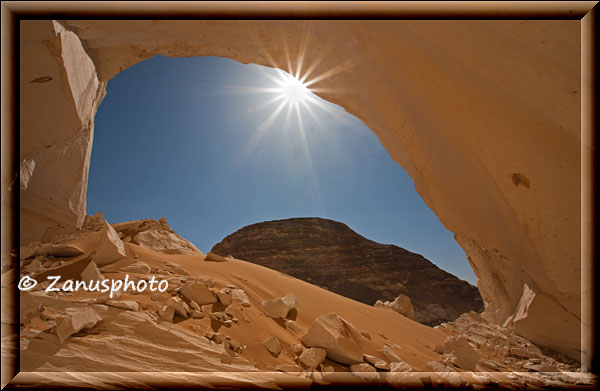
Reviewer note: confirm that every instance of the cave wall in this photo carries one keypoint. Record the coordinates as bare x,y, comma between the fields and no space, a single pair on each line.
483,115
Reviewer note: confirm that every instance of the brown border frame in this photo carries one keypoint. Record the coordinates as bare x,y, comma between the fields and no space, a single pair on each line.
13,11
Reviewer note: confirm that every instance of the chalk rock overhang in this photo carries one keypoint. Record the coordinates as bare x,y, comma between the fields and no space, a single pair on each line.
483,115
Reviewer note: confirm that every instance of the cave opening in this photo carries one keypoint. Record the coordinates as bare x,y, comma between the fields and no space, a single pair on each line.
214,145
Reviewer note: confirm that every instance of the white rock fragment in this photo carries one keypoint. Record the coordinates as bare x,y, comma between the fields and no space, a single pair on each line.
466,357
166,313
241,297
179,306
364,371
75,320
124,304
91,273
26,172
224,298
401,305
313,357
199,293
279,308
400,366
110,248
273,345
137,267
376,362
339,338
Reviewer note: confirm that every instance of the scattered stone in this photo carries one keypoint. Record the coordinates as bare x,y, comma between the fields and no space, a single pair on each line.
166,313
34,267
437,366
273,345
401,305
364,371
124,304
137,267
466,356
290,324
539,367
313,357
241,297
391,355
110,248
179,306
519,352
196,328
339,338
224,298
297,349
75,320
195,314
199,293
279,308
157,297
400,366
289,368
439,349
376,362
91,273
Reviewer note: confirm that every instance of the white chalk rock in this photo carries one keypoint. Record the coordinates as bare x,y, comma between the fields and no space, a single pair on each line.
75,320
111,248
273,345
466,356
91,273
199,293
339,338
279,308
313,357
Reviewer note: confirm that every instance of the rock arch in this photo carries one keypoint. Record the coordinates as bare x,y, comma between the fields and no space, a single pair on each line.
483,115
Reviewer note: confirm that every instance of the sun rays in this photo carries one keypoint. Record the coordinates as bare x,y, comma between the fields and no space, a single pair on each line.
289,103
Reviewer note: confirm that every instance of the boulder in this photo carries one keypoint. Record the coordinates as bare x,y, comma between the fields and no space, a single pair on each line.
273,345
297,349
75,320
466,356
199,293
313,357
340,339
110,248
279,308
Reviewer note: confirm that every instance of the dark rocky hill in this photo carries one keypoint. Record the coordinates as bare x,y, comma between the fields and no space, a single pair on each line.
329,254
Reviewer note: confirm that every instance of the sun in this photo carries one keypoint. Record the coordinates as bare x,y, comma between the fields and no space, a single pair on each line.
292,90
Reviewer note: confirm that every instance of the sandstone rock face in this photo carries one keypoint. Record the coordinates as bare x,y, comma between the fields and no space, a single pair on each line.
339,338
329,254
76,319
493,146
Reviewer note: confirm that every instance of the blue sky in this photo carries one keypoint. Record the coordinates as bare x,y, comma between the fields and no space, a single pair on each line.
189,139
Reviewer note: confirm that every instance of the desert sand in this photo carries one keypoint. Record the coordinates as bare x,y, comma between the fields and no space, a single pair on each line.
238,324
